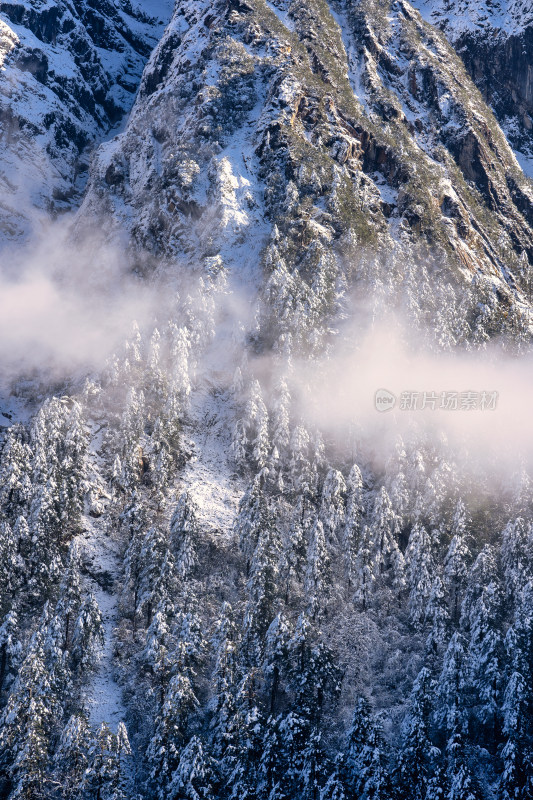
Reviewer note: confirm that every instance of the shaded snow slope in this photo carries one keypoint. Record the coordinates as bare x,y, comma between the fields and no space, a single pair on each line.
495,41
69,73
209,476
103,696
511,17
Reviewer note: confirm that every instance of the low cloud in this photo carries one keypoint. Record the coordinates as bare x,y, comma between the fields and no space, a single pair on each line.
489,420
65,305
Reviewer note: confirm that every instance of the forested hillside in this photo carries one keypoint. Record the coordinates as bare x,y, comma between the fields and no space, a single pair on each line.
224,574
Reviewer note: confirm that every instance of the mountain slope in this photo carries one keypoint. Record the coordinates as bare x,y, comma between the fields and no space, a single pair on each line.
350,120
495,41
215,538
69,73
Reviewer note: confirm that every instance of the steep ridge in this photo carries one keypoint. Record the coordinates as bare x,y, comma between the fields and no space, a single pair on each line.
361,122
70,72
495,41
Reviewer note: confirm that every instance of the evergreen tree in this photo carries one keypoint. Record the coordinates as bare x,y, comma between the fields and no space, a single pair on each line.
69,601
11,566
247,729
253,517
256,424
384,527
184,535
15,472
180,351
223,681
515,557
516,781
313,769
153,558
276,658
105,777
317,577
334,788
155,377
262,590
450,688
88,635
456,561
170,734
132,430
10,647
379,559
331,513
294,549
418,754
364,573
481,615
438,617
353,520
420,569
71,757
74,464
159,642
26,724
133,521
300,469
366,767
192,778
281,418
313,674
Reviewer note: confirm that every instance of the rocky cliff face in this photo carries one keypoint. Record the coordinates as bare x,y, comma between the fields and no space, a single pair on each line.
495,42
70,71
317,125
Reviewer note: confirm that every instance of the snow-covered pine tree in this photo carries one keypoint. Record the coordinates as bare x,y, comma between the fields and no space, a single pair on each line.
15,472
70,593
106,774
353,520
418,755
366,766
184,535
71,757
256,422
10,648
88,635
515,557
262,592
171,729
420,570
254,515
281,418
457,560
26,724
332,505
334,788
317,574
192,778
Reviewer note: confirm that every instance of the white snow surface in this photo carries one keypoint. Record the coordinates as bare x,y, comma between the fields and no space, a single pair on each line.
103,696
511,17
209,476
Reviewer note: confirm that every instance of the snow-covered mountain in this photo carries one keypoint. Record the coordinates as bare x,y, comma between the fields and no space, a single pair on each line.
70,71
495,41
372,126
224,573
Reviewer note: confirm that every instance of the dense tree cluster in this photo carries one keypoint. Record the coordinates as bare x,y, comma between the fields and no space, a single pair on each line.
364,633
